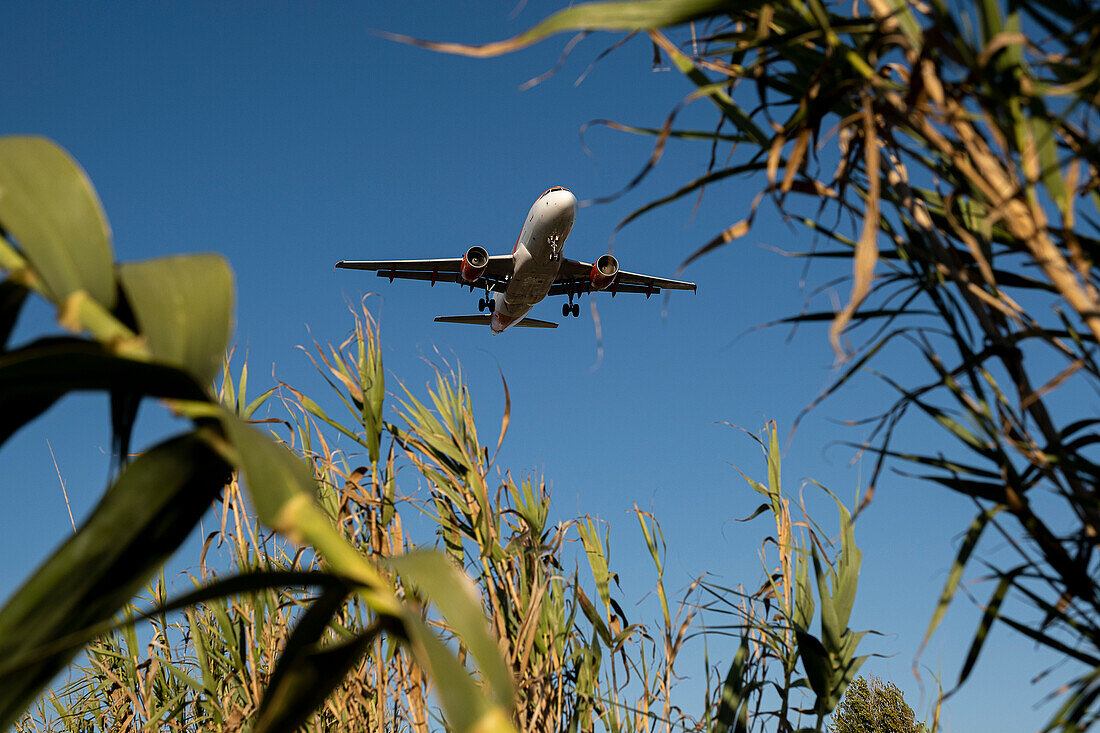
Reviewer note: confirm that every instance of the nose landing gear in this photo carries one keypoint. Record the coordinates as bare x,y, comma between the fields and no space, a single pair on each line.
554,241
484,303
570,309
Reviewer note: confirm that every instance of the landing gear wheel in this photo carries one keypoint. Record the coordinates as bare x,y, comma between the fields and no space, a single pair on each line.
576,309
492,305
565,309
480,305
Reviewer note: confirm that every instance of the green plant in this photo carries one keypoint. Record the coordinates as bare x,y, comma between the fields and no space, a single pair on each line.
159,328
948,153
779,659
578,663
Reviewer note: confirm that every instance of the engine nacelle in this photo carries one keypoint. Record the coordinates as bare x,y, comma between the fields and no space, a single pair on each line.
604,271
474,263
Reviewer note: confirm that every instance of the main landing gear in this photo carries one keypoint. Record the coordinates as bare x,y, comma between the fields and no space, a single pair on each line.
484,303
570,309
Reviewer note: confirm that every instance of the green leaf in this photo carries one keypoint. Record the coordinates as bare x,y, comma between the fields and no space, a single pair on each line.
140,521
733,708
604,16
51,209
596,558
273,474
12,296
816,662
1042,133
804,594
184,309
214,591
970,541
992,611
847,572
465,706
34,377
457,598
307,672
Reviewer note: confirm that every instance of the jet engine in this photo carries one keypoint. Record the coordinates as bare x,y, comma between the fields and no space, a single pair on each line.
474,263
604,271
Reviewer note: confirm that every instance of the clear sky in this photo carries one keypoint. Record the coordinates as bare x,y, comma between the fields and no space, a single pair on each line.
287,137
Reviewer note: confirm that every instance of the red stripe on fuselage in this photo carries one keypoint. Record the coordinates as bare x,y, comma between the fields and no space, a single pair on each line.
499,322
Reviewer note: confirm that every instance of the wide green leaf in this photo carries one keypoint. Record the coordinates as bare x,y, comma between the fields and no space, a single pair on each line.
51,209
184,309
140,521
34,377
307,671
274,476
12,295
457,598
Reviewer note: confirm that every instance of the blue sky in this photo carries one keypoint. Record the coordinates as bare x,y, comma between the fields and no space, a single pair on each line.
287,137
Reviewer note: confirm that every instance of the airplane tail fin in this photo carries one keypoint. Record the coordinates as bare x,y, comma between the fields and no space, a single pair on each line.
482,319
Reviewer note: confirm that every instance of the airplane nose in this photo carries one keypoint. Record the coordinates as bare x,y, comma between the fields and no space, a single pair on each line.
565,203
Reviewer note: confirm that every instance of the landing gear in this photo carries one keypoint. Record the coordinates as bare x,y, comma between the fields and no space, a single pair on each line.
484,303
570,309
480,305
576,309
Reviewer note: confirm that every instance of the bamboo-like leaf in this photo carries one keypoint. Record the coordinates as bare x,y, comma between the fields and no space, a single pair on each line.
215,591
48,204
804,594
831,629
275,477
308,671
12,295
1042,133
465,706
141,520
992,611
34,377
606,16
597,559
815,660
184,309
372,382
866,253
970,541
733,707
847,572
457,598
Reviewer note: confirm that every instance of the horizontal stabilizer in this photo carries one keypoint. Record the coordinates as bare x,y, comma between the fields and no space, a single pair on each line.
482,319
478,320
534,323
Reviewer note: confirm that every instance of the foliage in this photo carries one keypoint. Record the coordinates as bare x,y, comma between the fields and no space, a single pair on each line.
959,159
871,704
159,328
578,663
778,657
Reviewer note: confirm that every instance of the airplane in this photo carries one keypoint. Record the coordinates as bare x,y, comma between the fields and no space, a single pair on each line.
533,270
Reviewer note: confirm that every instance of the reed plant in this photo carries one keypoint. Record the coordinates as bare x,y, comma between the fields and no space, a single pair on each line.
158,329
547,589
947,155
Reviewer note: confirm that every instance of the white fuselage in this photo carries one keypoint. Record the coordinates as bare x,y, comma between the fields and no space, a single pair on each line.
536,257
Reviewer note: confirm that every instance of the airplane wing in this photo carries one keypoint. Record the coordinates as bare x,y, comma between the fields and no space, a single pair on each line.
575,277
442,270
